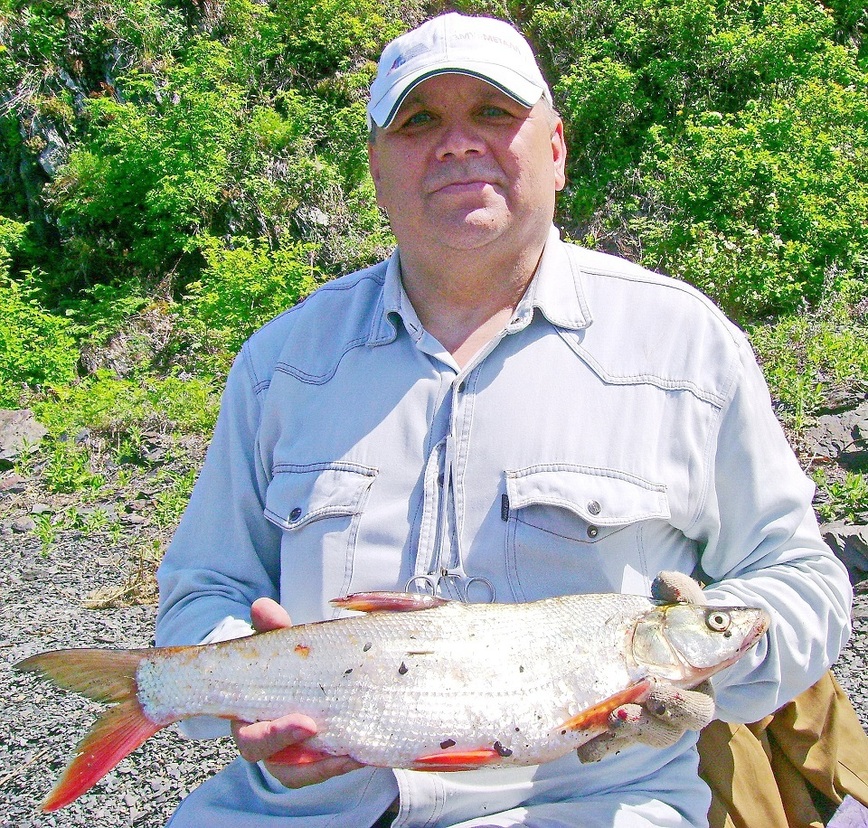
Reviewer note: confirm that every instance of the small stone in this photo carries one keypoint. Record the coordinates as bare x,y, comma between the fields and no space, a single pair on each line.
41,509
13,483
23,524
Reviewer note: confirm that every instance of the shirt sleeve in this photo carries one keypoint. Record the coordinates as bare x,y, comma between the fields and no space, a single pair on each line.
224,554
762,547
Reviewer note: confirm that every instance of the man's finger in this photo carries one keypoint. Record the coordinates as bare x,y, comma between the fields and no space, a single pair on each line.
302,775
258,740
266,615
688,709
676,588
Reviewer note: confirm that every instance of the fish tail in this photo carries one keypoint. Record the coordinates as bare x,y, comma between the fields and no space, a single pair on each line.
104,676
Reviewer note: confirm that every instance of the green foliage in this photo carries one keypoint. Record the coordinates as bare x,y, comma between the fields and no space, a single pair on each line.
760,206
808,355
103,309
321,36
36,348
244,286
68,469
718,141
844,499
149,175
171,499
117,408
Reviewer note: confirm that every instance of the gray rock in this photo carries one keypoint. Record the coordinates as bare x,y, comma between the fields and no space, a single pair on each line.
13,484
23,524
20,432
850,544
841,437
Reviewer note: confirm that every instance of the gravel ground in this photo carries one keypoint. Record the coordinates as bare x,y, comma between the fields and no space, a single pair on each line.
42,609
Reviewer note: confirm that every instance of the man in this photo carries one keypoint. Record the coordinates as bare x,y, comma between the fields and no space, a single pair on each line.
544,419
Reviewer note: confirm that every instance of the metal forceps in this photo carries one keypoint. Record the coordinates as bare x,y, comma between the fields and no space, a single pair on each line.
451,581
455,581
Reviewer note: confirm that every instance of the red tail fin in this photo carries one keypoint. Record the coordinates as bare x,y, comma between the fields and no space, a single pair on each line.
102,675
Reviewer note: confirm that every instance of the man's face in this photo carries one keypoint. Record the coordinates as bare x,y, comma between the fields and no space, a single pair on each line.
463,166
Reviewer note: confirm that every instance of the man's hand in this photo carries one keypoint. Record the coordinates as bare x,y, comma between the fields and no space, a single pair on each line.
258,741
668,711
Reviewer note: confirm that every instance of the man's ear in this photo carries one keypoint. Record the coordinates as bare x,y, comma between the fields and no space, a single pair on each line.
373,162
374,167
559,155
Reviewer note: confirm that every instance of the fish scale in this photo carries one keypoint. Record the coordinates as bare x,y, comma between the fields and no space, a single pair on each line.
448,687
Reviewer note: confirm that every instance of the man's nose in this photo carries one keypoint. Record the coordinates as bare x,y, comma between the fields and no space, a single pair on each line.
458,140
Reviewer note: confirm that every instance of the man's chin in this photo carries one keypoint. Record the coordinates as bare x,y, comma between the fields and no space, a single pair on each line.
473,230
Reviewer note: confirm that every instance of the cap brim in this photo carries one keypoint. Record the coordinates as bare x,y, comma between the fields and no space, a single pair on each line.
516,86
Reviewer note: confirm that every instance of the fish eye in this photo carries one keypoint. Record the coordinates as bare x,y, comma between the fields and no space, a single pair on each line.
717,620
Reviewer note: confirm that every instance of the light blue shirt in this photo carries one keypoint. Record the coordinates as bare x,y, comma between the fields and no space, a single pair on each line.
617,426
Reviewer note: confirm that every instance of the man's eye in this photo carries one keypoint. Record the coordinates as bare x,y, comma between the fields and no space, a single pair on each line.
418,119
494,112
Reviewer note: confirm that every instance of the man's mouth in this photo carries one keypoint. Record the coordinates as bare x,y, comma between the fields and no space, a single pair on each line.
463,185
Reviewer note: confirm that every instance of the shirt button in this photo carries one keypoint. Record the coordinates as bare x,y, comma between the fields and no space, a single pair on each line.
295,514
593,531
594,507
461,386
440,479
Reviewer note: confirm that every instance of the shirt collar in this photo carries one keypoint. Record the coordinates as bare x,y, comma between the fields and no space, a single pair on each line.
394,304
555,289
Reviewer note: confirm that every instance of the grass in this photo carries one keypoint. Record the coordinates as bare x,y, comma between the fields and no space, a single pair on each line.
809,357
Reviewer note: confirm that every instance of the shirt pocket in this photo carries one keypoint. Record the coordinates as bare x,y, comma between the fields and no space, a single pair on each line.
318,506
577,529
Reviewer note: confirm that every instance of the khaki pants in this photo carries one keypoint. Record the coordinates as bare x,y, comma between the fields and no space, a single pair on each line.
790,770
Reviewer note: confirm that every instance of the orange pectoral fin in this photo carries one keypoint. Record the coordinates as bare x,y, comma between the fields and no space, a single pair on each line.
388,601
298,754
597,716
456,760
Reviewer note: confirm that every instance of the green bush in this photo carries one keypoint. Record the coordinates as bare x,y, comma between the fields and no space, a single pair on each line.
116,408
721,142
36,348
809,356
760,209
151,171
240,289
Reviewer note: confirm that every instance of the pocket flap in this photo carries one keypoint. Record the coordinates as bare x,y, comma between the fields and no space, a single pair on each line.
298,495
604,497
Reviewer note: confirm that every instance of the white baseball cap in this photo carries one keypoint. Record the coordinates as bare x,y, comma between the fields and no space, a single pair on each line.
481,47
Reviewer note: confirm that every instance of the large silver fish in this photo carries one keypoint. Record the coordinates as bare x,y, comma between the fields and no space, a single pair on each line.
447,686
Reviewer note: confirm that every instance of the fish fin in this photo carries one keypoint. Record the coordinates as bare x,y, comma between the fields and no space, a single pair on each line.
456,760
102,675
388,601
598,714
116,734
298,754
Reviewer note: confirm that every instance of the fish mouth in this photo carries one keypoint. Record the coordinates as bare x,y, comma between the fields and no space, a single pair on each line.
759,628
